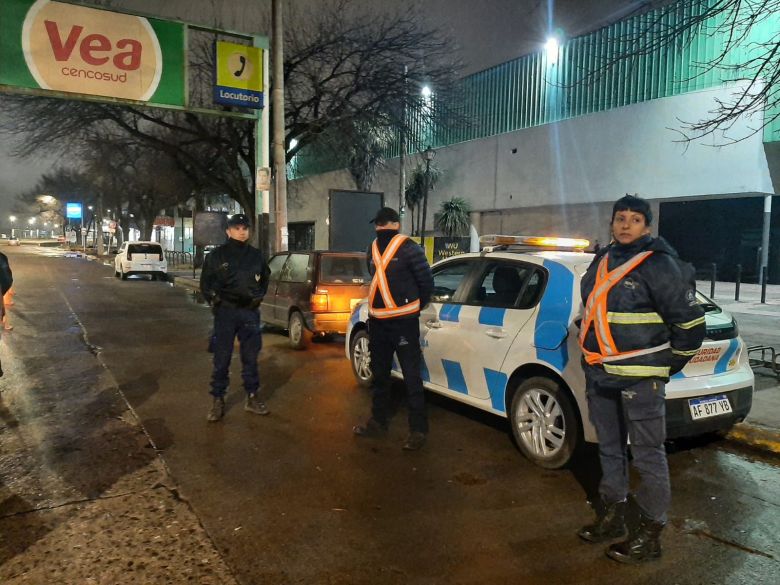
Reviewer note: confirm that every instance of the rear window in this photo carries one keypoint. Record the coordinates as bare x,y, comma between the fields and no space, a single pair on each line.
144,249
335,269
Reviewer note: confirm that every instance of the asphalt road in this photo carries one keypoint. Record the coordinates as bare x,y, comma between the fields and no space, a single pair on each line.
295,498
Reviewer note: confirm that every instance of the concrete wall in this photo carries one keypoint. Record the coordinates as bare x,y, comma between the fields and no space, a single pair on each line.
562,178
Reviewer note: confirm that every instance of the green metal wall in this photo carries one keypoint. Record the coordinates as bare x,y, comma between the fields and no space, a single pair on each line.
532,90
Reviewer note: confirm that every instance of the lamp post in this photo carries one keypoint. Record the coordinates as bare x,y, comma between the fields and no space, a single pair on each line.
12,219
428,154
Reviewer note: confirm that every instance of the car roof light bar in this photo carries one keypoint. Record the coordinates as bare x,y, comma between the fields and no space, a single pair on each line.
503,241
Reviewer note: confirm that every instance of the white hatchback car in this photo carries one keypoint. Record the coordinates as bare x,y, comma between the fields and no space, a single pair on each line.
140,258
500,334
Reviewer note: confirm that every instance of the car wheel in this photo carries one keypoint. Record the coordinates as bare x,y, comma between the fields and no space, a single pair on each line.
360,357
544,422
296,328
124,274
116,272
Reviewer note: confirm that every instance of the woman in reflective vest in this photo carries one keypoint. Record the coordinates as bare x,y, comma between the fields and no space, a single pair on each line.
641,324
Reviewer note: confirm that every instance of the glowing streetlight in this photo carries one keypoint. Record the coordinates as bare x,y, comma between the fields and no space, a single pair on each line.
31,220
552,47
12,218
426,92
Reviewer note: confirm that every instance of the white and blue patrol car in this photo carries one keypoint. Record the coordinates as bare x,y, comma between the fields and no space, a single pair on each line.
500,334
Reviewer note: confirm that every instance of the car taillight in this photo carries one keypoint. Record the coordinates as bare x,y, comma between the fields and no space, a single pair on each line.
129,255
319,302
161,256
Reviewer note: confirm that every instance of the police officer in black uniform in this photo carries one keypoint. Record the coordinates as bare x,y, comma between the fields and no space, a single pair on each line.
402,284
233,281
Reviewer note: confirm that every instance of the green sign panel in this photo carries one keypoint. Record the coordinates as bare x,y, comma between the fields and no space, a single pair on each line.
74,49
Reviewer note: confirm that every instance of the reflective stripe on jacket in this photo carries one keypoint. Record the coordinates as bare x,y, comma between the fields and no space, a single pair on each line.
641,318
596,314
379,283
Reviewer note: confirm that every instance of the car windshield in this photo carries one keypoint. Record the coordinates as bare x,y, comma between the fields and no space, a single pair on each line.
343,269
707,304
144,249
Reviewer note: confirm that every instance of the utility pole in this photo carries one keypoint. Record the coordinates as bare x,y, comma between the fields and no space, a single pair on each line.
99,227
277,106
402,155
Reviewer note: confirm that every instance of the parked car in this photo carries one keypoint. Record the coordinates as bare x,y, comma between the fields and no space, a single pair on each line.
140,258
500,335
13,241
313,293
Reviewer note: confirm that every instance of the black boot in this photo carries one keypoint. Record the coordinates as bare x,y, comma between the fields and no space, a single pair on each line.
643,544
610,523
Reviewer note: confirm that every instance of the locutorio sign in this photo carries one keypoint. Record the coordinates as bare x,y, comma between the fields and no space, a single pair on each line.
74,49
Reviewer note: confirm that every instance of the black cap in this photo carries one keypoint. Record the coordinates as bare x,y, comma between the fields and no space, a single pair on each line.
386,215
239,219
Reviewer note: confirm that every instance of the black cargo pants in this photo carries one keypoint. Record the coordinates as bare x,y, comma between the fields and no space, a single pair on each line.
399,336
638,413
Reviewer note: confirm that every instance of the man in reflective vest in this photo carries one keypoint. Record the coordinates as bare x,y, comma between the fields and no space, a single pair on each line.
641,324
401,285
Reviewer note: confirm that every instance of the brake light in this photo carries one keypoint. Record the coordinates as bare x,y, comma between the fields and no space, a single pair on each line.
129,255
319,302
161,256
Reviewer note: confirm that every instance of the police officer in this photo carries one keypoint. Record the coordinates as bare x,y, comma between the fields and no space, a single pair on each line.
641,324
234,280
402,283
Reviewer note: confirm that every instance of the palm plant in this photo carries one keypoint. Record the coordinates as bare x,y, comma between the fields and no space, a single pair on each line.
415,193
454,217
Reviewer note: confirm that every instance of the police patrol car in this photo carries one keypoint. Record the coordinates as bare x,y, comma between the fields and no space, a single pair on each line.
500,334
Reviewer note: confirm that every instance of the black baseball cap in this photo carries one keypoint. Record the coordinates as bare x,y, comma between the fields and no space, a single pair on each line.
239,219
386,215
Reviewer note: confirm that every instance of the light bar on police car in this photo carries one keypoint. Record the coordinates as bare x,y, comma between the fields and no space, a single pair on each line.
538,241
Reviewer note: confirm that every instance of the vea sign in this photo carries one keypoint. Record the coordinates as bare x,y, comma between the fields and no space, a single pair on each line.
75,49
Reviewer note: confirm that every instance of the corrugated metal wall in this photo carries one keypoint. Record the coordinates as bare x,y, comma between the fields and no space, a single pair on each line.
587,77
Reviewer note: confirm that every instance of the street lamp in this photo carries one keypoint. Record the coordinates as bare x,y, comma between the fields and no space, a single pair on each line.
12,219
428,154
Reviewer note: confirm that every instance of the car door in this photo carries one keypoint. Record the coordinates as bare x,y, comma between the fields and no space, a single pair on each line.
441,315
475,336
119,257
268,307
294,280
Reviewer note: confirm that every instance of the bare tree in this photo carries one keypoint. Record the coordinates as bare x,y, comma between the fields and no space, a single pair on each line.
343,70
747,36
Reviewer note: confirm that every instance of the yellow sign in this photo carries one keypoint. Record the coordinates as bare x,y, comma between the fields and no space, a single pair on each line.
239,66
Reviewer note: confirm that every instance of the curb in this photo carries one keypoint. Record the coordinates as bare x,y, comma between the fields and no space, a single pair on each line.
186,283
755,436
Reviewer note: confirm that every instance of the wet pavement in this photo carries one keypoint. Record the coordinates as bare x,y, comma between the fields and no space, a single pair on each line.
110,474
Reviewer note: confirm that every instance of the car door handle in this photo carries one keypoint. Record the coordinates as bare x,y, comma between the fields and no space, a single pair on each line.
433,324
496,332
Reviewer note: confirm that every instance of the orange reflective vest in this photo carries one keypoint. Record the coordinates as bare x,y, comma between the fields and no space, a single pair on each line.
596,314
379,282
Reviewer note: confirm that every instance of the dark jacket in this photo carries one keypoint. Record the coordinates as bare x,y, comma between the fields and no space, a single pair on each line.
236,275
6,278
653,304
408,274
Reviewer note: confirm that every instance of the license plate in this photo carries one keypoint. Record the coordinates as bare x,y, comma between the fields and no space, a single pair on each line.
710,406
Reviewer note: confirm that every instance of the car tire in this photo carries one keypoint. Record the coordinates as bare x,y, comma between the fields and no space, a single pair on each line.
124,274
297,332
544,422
360,358
116,273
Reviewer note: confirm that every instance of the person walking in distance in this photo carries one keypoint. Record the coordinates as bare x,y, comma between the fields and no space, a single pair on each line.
401,285
233,281
641,324
6,284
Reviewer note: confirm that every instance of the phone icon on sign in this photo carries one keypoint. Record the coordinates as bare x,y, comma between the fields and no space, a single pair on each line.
240,71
